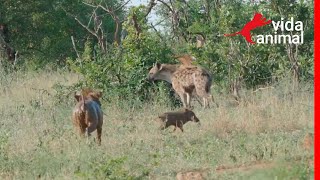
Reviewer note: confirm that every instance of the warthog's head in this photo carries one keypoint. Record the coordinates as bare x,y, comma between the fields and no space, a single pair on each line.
190,114
154,72
87,94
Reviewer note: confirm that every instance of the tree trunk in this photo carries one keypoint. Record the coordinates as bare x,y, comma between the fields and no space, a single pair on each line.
293,57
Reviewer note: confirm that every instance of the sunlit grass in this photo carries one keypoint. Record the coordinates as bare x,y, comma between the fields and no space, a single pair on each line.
37,138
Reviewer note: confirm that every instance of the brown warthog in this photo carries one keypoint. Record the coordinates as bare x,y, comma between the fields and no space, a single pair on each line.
177,119
87,115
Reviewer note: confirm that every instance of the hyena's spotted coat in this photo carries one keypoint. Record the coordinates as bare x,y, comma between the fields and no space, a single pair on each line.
185,79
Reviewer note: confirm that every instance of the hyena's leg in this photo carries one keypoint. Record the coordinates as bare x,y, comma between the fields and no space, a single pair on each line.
204,97
198,99
202,92
213,101
188,100
183,99
205,102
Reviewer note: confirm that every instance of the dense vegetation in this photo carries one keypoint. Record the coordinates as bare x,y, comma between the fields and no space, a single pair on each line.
113,46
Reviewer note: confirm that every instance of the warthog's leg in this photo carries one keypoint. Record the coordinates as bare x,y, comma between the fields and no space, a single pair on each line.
175,128
99,131
91,127
163,126
82,130
180,125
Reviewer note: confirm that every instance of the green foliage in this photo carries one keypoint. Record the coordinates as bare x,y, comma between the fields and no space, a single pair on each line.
122,71
37,30
41,32
231,59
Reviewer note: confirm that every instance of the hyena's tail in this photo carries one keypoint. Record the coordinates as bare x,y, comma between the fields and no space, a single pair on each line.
208,84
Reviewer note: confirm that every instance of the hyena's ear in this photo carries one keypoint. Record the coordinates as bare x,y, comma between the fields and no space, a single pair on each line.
77,96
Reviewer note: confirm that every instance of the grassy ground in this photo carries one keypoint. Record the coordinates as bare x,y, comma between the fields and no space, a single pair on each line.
261,138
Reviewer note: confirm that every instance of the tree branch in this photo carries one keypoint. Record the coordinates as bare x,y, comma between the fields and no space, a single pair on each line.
150,6
166,4
74,47
116,19
84,26
121,6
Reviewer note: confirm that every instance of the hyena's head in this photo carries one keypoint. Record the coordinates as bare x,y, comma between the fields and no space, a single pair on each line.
162,72
155,72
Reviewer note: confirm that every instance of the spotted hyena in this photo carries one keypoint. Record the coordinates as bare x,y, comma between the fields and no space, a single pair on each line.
184,80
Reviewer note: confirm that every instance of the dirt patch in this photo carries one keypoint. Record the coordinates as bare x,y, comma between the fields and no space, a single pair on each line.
256,165
245,167
192,175
308,141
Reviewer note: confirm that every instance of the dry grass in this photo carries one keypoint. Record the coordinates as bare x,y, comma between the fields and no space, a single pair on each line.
37,139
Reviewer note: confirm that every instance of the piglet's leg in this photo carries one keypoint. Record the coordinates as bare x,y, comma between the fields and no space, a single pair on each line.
180,125
175,128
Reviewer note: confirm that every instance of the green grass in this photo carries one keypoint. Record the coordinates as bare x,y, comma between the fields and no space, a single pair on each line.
37,139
